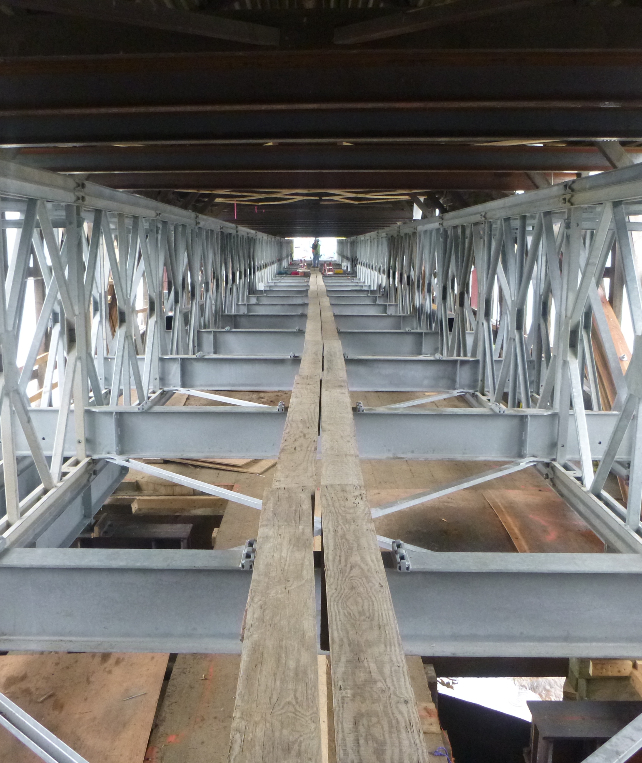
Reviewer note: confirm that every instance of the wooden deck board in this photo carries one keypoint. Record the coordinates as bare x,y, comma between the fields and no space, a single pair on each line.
83,699
195,718
276,715
375,713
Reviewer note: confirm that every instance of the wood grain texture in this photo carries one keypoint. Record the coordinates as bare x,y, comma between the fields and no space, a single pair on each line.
191,504
375,713
276,716
195,716
82,699
298,454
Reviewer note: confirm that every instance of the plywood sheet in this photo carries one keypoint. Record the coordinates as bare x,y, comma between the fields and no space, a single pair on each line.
539,521
462,521
83,699
194,721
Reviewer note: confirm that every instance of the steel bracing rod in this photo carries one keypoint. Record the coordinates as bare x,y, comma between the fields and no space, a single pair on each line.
221,398
421,401
34,735
179,479
620,747
453,487
117,271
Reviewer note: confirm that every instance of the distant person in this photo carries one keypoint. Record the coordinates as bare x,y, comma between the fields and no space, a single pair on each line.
316,253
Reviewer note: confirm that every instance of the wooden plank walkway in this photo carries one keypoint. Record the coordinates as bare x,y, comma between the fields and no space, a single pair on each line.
375,712
276,715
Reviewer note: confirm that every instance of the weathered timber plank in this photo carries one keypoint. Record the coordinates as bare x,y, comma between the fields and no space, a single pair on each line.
375,713
179,504
276,716
297,458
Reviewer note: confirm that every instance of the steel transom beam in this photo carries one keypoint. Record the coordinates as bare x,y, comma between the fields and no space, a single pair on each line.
254,432
193,601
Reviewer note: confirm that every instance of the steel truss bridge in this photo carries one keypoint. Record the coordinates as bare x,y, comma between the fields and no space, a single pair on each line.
502,304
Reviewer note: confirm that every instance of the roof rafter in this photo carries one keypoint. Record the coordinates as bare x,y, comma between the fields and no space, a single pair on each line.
156,16
418,19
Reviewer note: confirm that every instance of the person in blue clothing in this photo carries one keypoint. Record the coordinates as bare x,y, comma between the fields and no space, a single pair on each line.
316,253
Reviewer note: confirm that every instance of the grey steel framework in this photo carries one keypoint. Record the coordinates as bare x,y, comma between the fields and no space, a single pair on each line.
500,304
523,275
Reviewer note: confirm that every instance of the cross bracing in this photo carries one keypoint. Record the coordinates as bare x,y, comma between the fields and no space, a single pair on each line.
500,304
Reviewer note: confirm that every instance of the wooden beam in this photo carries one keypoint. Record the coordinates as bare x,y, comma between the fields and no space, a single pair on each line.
418,19
614,154
276,716
154,15
375,713
423,207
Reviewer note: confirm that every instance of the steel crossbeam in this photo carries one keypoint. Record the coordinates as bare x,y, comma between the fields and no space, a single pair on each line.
193,601
218,372
172,432
255,432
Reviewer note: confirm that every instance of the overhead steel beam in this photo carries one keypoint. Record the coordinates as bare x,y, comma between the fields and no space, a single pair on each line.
387,156
151,15
431,17
361,94
462,604
374,179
